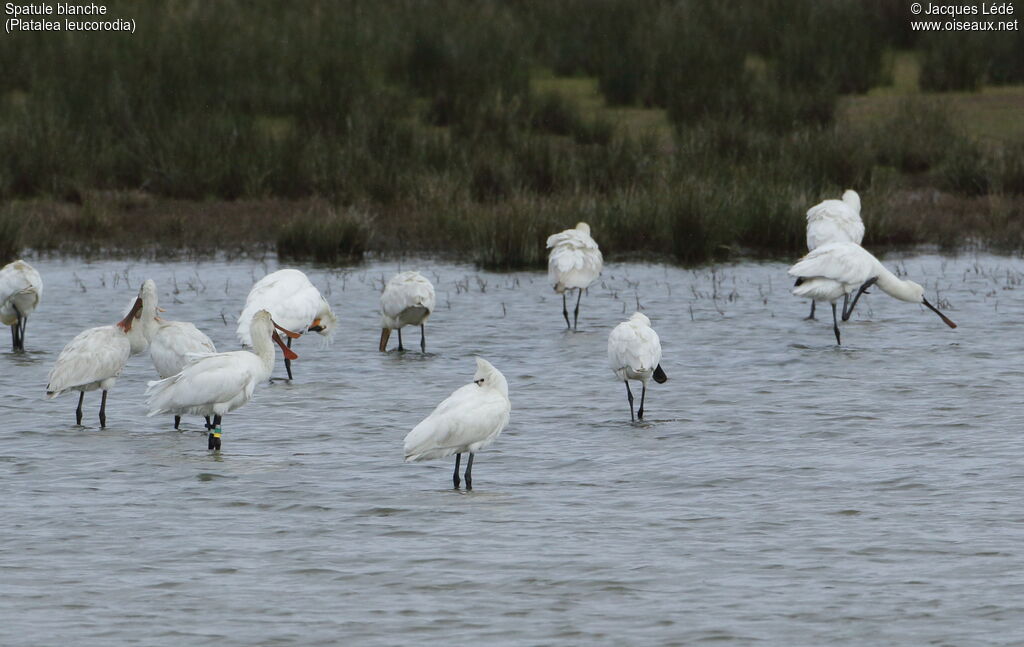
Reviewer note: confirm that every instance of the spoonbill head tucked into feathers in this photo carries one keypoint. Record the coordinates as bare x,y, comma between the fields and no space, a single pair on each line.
407,300
294,303
216,384
573,264
468,420
634,353
21,289
839,269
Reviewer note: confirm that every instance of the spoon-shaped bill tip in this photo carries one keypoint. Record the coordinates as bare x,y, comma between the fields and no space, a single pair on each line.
288,352
946,320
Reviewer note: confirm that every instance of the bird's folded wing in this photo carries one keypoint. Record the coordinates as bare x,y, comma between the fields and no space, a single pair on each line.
399,295
12,282
843,262
634,348
833,221
469,415
214,378
94,354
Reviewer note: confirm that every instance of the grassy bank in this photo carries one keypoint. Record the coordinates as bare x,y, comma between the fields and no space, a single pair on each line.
688,130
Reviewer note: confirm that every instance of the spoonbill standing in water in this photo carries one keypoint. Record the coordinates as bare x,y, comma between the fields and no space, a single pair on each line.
216,384
634,353
21,288
838,269
95,357
173,346
293,302
574,263
407,300
834,221
466,421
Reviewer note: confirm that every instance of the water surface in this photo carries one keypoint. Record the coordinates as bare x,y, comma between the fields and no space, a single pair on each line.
782,491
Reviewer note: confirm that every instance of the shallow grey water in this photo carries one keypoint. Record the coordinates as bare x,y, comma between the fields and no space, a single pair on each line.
783,491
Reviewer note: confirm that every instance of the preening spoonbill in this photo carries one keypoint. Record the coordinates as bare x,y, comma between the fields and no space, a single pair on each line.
21,288
634,353
467,421
293,302
95,357
407,300
574,263
216,384
838,269
834,221
173,346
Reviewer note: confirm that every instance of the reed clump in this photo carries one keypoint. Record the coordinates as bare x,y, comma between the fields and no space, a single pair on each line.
325,235
10,236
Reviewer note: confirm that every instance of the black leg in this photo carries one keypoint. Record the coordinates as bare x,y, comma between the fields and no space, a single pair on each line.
177,421
469,472
16,330
400,339
213,438
21,333
78,412
835,324
565,312
811,316
288,362
643,394
853,304
103,410
455,476
14,337
423,338
629,395
576,313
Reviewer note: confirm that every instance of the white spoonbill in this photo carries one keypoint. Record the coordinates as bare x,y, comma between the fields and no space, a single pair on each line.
293,302
95,357
173,346
407,300
574,263
466,421
838,269
834,221
216,384
21,288
634,353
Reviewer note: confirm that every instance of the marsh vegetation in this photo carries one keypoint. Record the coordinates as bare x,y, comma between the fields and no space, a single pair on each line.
689,130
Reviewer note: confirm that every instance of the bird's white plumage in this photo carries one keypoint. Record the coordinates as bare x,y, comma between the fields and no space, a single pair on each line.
835,221
95,357
575,260
92,360
216,384
407,300
634,350
293,302
173,344
468,420
835,269
21,289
